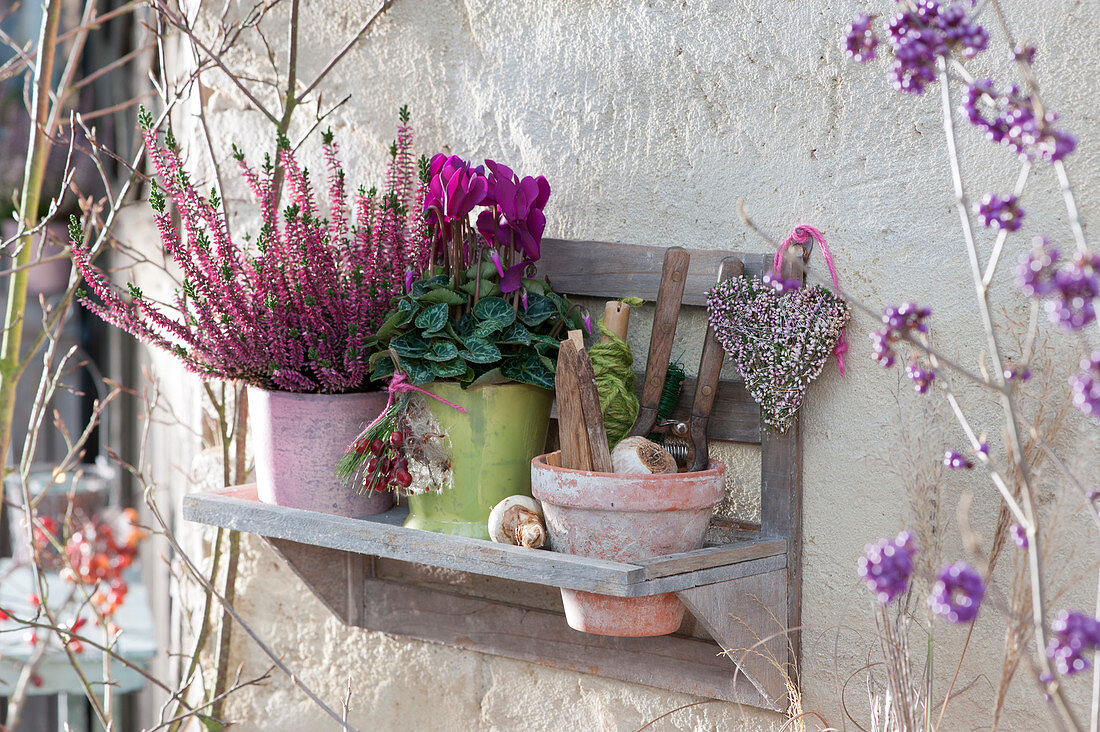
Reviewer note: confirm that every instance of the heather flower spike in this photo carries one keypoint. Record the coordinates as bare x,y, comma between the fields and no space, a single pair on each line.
887,566
957,594
297,311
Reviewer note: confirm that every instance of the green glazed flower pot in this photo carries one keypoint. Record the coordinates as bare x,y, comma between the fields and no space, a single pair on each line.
493,443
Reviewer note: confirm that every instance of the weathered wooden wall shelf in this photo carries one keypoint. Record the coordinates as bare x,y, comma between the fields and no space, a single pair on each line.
373,573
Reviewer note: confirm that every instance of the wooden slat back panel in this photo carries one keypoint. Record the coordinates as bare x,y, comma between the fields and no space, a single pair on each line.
612,271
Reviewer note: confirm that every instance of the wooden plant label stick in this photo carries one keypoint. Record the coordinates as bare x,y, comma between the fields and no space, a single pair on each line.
669,299
571,427
577,338
593,417
616,317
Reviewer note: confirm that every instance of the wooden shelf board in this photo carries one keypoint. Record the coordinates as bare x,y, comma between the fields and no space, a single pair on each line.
239,509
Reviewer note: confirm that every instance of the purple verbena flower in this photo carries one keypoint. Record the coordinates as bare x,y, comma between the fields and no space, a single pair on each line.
1076,288
1085,386
1019,536
1000,212
777,282
882,343
1035,270
887,565
924,33
861,41
955,461
907,316
1014,124
957,594
1074,635
923,378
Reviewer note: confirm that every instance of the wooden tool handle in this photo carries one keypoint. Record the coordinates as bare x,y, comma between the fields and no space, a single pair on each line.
710,365
616,317
669,299
706,388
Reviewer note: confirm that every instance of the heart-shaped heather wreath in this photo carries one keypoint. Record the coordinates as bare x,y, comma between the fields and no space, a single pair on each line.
779,341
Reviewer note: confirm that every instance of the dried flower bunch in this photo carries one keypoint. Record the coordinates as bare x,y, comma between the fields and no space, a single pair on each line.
780,339
298,308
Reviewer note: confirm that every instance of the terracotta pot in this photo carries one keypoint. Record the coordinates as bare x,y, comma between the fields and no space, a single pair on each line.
624,518
492,444
299,438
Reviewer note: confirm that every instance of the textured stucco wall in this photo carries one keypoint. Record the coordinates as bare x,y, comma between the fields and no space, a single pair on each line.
650,119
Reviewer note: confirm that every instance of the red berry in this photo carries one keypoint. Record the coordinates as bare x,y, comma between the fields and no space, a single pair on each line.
376,446
36,680
372,466
4,615
397,439
76,646
79,623
32,638
33,600
403,478
361,447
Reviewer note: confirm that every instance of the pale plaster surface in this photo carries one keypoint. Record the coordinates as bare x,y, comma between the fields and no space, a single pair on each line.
650,119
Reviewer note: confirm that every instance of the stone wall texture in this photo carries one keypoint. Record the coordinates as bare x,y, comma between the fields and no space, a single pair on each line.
650,120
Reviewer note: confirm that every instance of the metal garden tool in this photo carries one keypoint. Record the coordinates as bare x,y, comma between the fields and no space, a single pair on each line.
685,441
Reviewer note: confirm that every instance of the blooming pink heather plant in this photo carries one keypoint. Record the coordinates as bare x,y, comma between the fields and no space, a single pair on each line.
295,309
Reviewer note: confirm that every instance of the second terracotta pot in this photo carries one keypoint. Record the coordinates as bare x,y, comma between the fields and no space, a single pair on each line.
623,518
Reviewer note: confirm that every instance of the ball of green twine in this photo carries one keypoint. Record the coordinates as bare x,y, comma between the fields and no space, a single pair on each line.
611,364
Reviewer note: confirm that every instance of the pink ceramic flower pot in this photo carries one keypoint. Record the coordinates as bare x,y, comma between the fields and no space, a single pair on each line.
299,438
624,518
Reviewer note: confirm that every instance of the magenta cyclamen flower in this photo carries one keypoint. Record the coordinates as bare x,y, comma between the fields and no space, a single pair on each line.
958,592
513,220
1085,386
887,565
1074,636
1000,212
454,188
